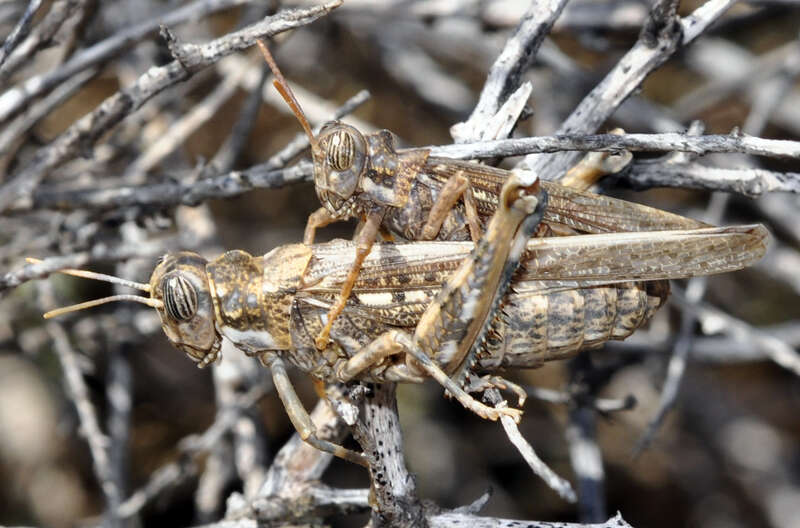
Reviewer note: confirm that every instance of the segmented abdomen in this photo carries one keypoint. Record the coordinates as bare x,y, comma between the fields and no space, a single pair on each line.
543,327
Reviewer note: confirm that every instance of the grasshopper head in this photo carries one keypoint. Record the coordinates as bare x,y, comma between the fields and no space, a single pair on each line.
181,293
339,152
181,284
339,164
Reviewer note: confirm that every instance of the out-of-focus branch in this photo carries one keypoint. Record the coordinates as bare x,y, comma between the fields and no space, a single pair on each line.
191,447
193,58
51,265
291,489
14,132
268,175
40,36
89,424
20,31
18,98
715,320
181,129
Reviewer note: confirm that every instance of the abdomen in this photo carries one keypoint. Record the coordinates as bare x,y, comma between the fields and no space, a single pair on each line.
544,327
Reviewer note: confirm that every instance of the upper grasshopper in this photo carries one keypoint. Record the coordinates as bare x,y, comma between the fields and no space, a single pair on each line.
433,309
416,196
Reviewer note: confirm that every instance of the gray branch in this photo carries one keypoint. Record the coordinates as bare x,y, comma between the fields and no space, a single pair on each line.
377,429
660,38
41,36
505,76
747,181
83,134
268,175
539,467
771,346
17,99
669,142
89,425
20,31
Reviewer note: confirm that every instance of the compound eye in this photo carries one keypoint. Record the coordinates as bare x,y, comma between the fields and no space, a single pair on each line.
341,150
180,297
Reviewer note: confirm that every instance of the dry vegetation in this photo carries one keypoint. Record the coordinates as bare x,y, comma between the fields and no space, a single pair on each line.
130,128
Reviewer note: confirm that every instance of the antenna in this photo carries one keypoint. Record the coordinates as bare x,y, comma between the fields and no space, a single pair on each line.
283,88
155,303
97,276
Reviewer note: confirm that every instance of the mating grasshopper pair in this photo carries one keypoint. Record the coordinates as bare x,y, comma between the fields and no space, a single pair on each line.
446,310
403,325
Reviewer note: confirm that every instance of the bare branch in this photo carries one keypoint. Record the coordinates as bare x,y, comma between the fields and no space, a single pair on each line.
715,320
20,31
88,129
505,76
291,489
51,265
268,175
555,482
180,130
190,448
14,131
16,99
89,428
748,181
377,430
455,520
659,40
669,142
41,36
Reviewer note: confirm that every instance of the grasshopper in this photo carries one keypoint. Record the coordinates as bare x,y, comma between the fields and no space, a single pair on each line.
415,196
451,311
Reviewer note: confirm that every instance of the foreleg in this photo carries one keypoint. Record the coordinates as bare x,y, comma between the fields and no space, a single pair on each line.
299,416
319,218
364,241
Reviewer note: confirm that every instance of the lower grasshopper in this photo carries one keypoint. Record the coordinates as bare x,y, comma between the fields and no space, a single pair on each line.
415,196
403,325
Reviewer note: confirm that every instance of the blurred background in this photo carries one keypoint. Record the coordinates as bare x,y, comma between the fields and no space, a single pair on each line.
727,456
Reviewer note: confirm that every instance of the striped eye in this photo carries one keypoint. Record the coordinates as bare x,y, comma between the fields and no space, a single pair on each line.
341,150
180,297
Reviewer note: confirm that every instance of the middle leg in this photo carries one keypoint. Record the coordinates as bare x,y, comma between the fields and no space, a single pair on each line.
457,186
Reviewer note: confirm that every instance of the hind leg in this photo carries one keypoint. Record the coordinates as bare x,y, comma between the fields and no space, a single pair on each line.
396,342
